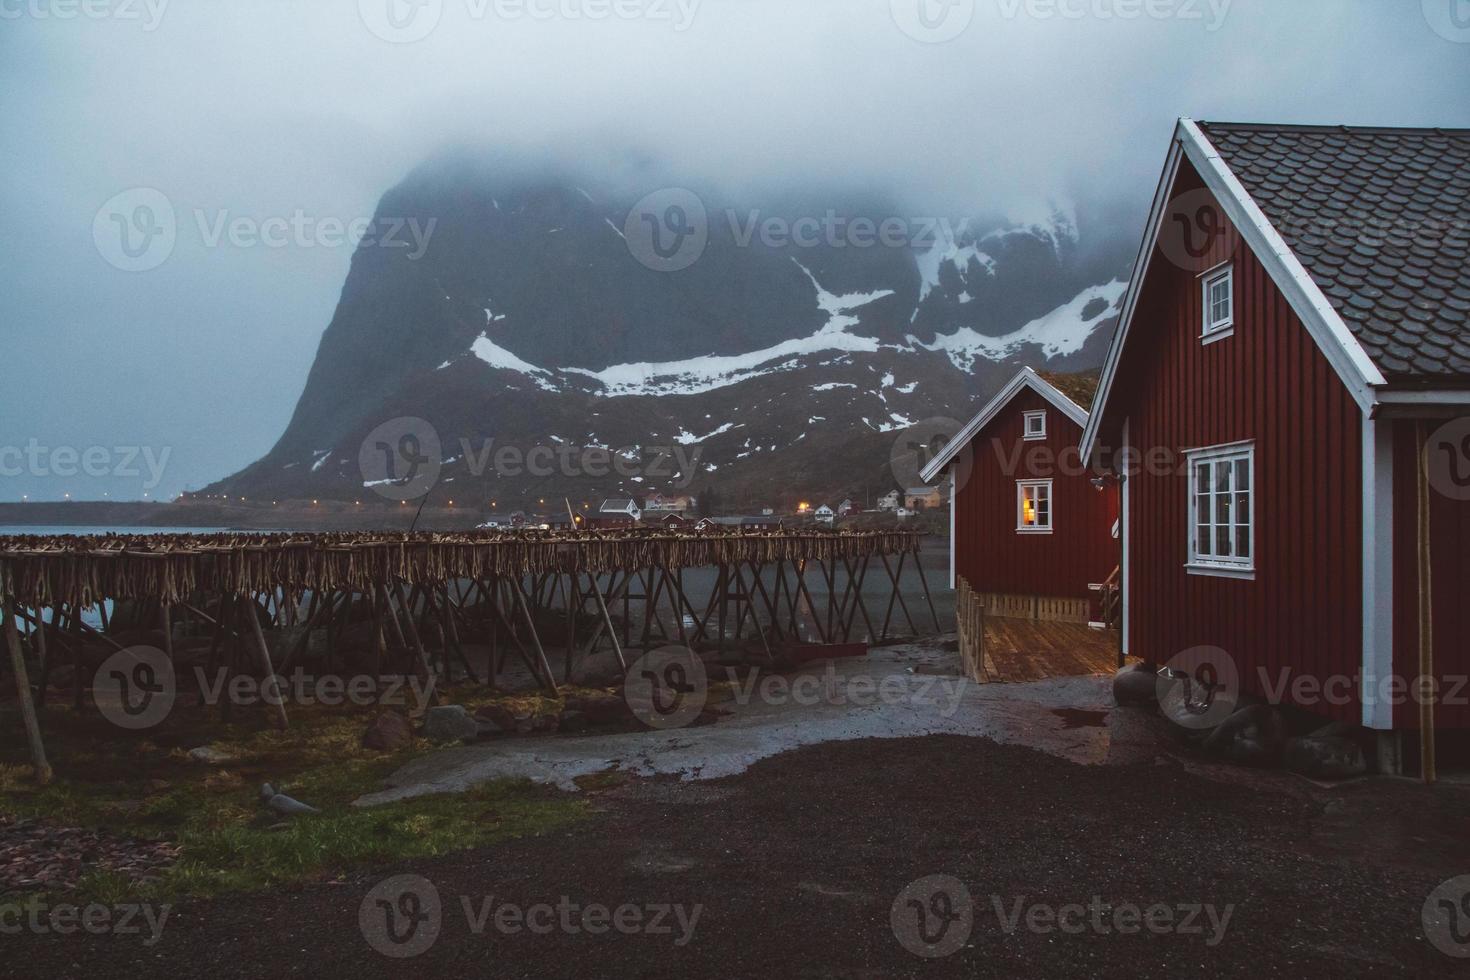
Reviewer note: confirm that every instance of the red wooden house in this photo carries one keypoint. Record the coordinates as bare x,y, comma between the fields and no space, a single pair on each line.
1285,403
1030,531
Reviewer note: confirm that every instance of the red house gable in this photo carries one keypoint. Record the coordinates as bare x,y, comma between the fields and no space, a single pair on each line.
1028,520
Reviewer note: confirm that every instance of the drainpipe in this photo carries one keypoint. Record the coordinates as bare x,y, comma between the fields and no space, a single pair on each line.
1426,619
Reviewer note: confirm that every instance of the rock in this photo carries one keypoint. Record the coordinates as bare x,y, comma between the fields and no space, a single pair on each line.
1136,684
1325,754
158,786
209,755
389,732
485,728
284,805
573,721
524,722
1253,736
543,723
449,723
497,715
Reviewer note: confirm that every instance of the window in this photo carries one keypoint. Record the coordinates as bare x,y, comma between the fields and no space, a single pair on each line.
1035,425
1033,506
1219,303
1222,511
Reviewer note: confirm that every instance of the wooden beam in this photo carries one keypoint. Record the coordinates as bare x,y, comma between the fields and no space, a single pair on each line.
39,765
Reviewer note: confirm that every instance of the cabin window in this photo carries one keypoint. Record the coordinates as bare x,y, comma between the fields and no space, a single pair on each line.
1219,303
1222,510
1035,425
1033,506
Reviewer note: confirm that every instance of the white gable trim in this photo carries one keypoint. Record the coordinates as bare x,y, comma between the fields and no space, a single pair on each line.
1341,348
1025,378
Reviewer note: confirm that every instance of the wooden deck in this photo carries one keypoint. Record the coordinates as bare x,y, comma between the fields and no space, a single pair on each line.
1019,650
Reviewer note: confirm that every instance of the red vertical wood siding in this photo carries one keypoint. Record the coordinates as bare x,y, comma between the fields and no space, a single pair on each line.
990,554
1449,571
1302,614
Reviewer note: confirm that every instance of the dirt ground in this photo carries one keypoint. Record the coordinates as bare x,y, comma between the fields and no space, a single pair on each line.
793,869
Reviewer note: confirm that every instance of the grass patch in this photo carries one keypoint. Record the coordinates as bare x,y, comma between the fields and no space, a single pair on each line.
146,786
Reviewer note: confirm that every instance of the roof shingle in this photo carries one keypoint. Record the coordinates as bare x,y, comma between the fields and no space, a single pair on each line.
1380,218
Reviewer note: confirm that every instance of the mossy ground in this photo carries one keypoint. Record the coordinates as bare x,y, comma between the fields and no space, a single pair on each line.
145,785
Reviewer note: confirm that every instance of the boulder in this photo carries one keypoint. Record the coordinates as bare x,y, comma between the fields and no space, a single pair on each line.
573,721
209,755
389,732
449,723
497,715
1328,753
1253,736
1136,684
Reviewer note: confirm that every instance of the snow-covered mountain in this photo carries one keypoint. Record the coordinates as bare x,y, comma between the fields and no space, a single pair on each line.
789,365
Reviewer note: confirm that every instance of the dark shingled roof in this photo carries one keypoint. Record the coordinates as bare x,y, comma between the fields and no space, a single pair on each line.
1380,218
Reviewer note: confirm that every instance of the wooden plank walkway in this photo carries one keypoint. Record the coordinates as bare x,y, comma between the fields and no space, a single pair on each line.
1018,650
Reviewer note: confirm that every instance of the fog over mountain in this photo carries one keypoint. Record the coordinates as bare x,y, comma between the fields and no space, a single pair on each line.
255,134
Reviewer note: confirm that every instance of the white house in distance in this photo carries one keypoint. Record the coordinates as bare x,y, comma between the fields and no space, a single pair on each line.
890,500
619,507
824,514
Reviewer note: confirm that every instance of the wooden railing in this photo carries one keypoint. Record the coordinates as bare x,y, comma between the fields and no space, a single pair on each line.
970,620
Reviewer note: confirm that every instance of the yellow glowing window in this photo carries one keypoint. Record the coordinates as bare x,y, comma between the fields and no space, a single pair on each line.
1033,506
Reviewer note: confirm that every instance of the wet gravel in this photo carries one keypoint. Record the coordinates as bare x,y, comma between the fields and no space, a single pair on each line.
793,869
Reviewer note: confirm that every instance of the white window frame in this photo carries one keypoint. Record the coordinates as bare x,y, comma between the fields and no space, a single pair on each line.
1211,564
1033,435
1211,329
1021,526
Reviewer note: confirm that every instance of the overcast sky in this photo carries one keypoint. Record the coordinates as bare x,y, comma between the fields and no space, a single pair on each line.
272,108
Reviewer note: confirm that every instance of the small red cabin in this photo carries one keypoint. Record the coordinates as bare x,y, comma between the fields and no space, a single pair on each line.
1032,532
1285,401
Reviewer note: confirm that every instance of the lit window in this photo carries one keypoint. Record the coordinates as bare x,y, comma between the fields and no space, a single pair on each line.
1035,425
1033,506
1219,301
1222,509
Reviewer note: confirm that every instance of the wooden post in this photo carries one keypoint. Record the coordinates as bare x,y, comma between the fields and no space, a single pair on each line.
39,764
248,609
